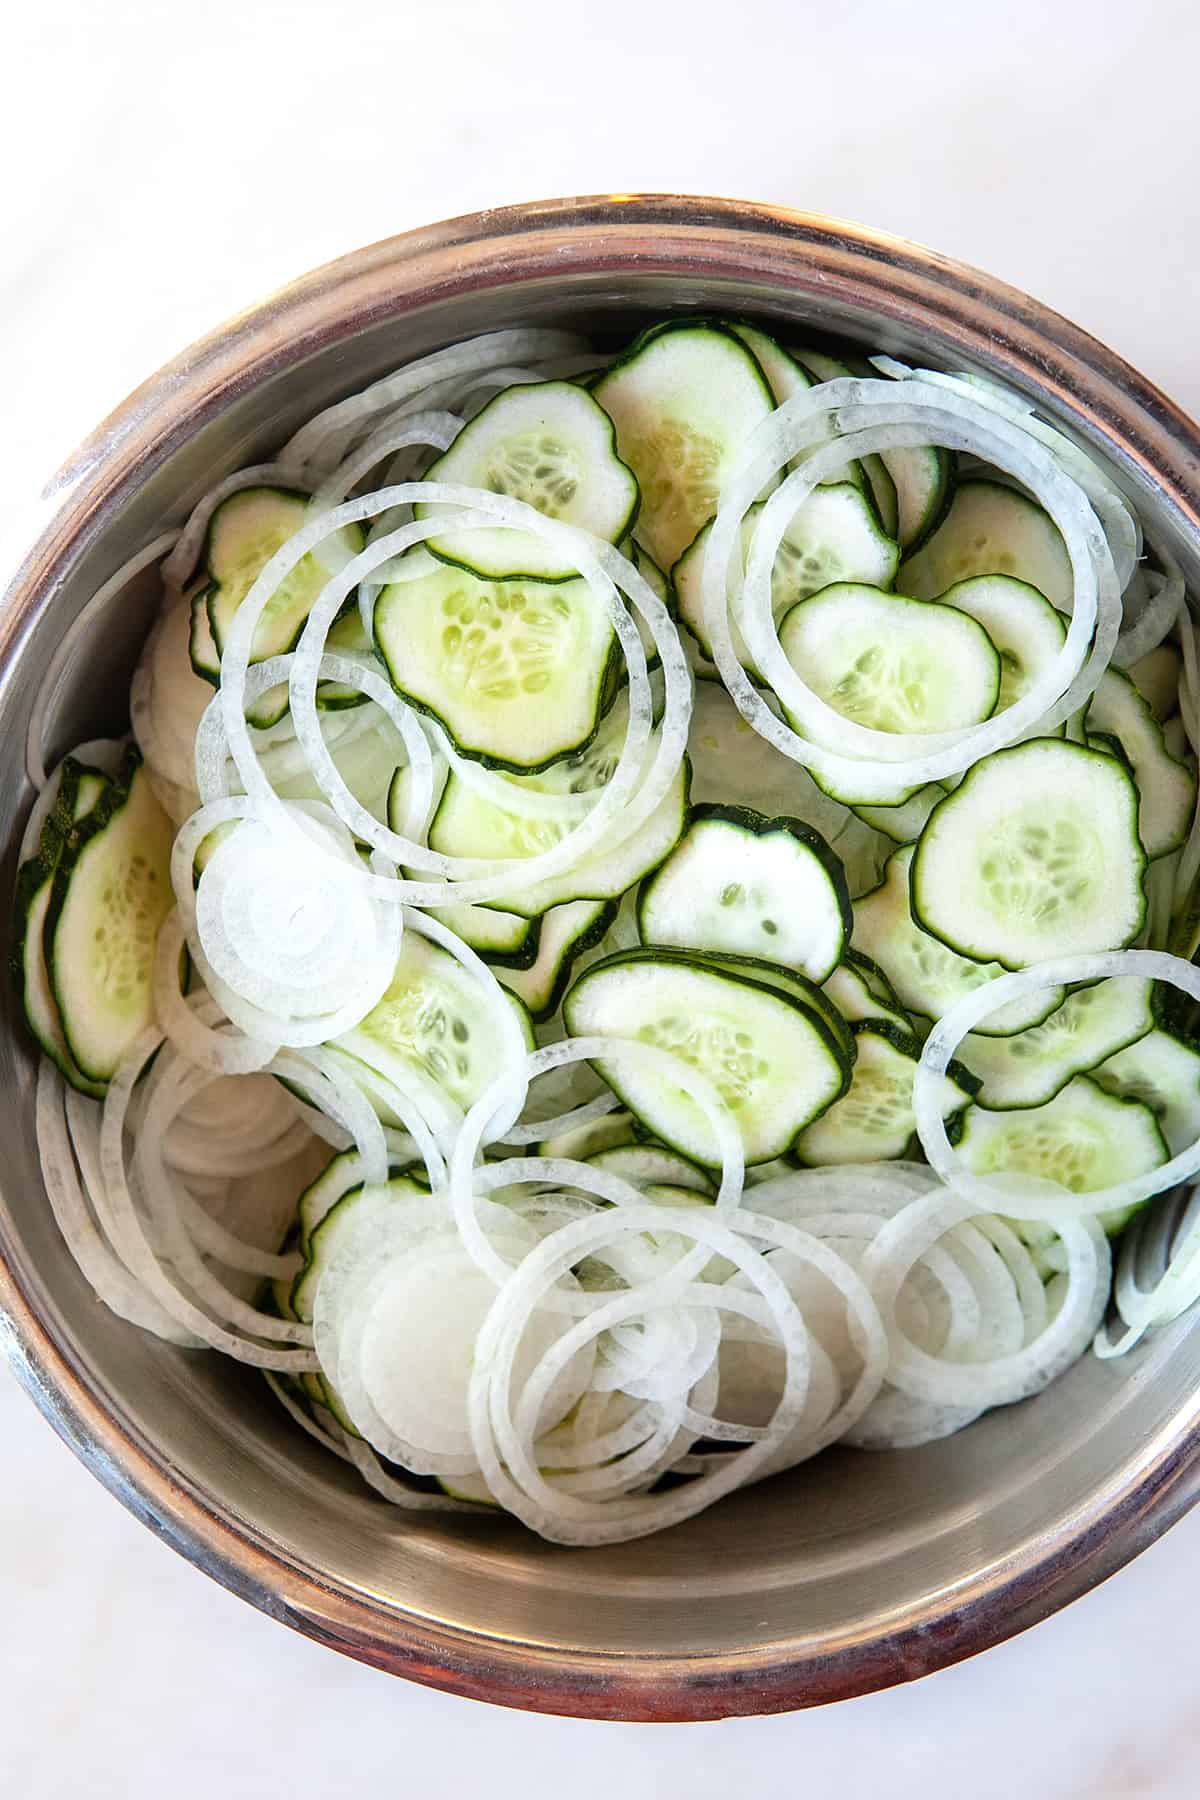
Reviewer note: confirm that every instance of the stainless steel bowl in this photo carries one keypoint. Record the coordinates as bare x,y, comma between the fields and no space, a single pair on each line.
856,1572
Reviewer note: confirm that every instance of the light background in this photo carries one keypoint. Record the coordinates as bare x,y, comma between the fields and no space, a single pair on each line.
162,166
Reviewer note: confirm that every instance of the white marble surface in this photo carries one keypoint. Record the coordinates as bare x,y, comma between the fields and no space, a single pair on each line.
163,166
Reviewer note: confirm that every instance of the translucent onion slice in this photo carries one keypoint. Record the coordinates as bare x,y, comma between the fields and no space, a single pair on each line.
1026,1197
1007,1377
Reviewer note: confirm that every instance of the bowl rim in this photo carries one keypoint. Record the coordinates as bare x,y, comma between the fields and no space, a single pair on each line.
965,313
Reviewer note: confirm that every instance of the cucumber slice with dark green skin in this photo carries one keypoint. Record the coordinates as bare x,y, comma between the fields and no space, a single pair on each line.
518,673
244,533
890,663
507,939
784,375
771,1056
111,892
1166,788
834,536
921,478
551,446
565,933
860,990
432,1031
743,884
1091,1025
1027,631
467,824
1084,1139
648,1165
928,977
990,529
1163,1072
1036,854
80,790
874,1120
683,399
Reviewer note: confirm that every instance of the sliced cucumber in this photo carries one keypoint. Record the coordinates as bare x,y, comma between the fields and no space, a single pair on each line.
834,536
860,990
433,1033
649,1165
112,891
582,1142
733,765
1166,788
1030,1067
1083,1139
1163,1072
904,823
771,1056
741,883
466,824
924,481
1027,631
244,533
1036,854
566,932
684,398
517,672
785,376
921,478
991,530
928,977
890,663
874,1120
1156,677
79,791
551,446
506,939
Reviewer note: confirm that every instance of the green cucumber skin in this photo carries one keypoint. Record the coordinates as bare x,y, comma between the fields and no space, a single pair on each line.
586,940
756,824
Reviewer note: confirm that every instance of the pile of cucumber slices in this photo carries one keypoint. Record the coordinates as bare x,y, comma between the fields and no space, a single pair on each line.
644,926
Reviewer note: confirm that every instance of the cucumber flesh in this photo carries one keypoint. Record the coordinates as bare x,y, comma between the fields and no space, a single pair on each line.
733,765
741,883
904,823
889,663
1163,1072
466,824
244,533
1027,631
874,1120
517,672
1166,788
923,477
1083,1139
991,530
1090,1026
1156,677
432,1032
785,376
834,536
582,1142
112,891
565,933
928,976
683,399
549,445
1036,854
856,999
648,1165
771,1057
